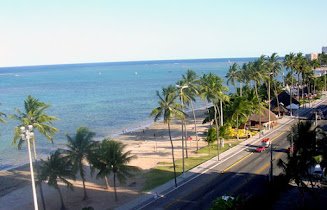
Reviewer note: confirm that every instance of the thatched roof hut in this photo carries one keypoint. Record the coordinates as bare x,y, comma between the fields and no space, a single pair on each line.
264,116
283,98
281,109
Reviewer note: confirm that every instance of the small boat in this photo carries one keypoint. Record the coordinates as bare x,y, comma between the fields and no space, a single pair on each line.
135,73
229,62
17,75
100,73
170,71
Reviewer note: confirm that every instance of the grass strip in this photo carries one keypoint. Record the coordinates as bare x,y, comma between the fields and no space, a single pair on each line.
162,174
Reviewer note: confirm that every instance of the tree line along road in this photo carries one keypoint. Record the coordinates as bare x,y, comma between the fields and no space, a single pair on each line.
245,173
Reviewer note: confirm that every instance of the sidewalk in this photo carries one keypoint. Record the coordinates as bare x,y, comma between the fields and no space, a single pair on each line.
145,199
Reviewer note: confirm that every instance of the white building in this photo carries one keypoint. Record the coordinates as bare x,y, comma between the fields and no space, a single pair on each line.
312,56
324,49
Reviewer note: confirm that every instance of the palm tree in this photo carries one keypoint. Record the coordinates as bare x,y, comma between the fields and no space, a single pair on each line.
109,158
168,109
80,148
34,115
242,76
240,107
211,137
2,120
299,62
214,92
232,75
315,64
274,66
190,79
57,167
289,63
257,75
204,92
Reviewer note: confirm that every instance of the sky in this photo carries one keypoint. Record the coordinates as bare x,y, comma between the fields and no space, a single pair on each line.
42,32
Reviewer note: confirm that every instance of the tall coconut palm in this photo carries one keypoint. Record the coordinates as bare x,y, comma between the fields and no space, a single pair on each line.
57,167
315,64
242,76
299,61
273,66
168,109
204,92
34,114
80,148
214,92
190,79
257,75
240,107
289,63
110,158
232,75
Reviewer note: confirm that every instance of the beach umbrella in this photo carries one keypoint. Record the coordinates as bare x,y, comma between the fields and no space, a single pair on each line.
294,106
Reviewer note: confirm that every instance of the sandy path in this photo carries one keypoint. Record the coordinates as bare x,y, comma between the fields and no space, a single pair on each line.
15,185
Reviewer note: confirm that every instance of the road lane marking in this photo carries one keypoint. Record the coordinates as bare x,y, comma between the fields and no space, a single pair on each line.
253,142
256,173
223,171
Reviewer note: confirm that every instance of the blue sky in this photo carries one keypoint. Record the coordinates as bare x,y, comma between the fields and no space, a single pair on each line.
38,32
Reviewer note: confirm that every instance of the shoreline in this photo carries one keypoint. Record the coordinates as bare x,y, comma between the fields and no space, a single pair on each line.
151,151
112,136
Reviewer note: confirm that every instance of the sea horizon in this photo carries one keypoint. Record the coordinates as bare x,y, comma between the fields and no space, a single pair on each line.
131,61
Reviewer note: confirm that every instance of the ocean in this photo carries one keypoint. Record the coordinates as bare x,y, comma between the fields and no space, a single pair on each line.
105,97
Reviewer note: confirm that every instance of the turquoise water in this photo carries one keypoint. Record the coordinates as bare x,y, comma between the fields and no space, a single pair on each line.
106,97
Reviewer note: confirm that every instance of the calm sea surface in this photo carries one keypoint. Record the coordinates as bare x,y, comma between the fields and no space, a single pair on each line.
106,97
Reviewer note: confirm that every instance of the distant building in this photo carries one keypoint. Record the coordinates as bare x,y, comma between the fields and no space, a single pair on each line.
312,56
324,49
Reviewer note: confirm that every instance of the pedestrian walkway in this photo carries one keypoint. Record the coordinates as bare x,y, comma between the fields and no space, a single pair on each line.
148,198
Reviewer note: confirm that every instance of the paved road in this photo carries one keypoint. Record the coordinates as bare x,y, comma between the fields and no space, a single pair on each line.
240,171
246,175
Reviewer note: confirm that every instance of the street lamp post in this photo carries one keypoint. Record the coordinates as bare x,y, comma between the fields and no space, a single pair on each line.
28,134
181,88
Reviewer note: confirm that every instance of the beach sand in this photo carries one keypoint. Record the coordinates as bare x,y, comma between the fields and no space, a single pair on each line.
150,149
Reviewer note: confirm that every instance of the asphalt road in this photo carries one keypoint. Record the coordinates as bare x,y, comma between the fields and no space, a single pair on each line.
243,174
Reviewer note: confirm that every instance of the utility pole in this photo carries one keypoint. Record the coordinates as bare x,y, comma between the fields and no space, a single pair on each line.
269,101
271,162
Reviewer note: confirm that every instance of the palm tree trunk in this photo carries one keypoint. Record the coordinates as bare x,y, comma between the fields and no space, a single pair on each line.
38,175
172,154
235,89
116,199
185,139
241,89
256,92
237,127
196,133
61,199
85,195
291,95
209,148
183,148
298,86
276,98
205,100
107,183
221,113
217,131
